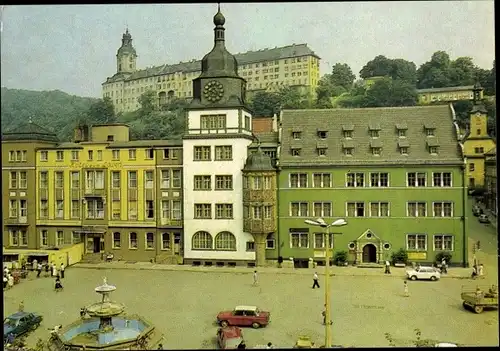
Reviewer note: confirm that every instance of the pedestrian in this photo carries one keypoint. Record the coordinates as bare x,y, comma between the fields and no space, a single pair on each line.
5,282
6,270
10,280
21,306
480,271
269,345
406,293
62,270
39,270
58,286
444,269
474,272
387,267
54,270
47,269
418,267
315,280
255,278
35,264
324,315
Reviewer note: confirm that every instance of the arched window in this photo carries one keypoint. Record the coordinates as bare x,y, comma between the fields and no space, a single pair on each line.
202,241
162,98
270,241
225,241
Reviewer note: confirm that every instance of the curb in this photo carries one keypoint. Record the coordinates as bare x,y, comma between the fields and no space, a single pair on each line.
399,274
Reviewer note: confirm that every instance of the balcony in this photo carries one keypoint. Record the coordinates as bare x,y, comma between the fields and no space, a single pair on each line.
258,226
19,221
93,192
171,222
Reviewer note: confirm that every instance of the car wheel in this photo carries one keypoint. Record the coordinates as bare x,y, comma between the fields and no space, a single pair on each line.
224,324
255,325
413,277
478,309
433,278
35,326
465,305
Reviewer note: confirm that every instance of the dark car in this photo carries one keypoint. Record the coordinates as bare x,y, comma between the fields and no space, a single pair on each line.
20,323
476,210
483,219
244,316
229,338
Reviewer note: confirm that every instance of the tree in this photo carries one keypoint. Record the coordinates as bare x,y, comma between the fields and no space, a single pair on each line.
101,111
265,104
404,70
147,102
293,98
342,76
379,66
462,71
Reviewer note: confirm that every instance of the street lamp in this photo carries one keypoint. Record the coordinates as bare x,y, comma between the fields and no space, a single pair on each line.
320,222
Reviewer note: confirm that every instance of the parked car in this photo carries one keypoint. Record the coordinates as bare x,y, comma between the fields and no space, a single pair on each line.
244,316
423,273
20,323
229,338
476,210
483,219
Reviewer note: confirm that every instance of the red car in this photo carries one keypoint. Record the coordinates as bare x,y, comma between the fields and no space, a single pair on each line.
229,338
244,316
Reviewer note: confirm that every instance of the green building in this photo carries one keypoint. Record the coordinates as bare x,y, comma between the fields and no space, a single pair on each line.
395,174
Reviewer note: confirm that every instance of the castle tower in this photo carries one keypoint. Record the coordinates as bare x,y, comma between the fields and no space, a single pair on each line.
126,57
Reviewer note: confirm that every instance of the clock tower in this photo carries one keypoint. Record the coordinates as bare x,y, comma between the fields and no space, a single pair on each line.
215,147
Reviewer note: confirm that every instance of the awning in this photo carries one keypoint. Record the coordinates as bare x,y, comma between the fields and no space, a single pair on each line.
10,254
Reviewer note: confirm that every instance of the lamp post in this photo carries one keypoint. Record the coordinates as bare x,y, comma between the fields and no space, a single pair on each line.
320,222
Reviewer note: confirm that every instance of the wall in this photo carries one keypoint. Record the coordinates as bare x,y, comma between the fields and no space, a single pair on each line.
68,255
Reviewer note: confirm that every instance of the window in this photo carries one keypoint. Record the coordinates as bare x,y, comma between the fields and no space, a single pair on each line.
95,209
213,122
202,153
376,151
115,179
165,241
433,150
416,242
44,156
322,209
379,180
442,209
417,209
441,179
149,154
256,212
223,211
75,155
379,209
44,209
117,240
13,180
403,150
76,238
132,179
225,241
165,179
295,152
478,131
299,240
416,179
402,133
132,153
170,154
23,180
14,238
268,212
75,179
321,151
320,240
95,180
355,180
202,182
267,182
443,242
250,246
176,178
176,210
223,182
44,238
75,209
132,241
59,155
150,209
374,133
355,209
132,210
115,155
298,180
247,123
347,134
59,180
202,211
471,167
148,179
112,137
59,209
270,242
296,135
202,241
299,209
223,153
23,236
150,241
90,155
165,209
429,131
99,155
322,134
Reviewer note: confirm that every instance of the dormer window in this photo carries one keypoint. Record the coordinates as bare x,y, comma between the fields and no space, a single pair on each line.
111,138
322,134
295,152
374,133
347,131
433,150
402,133
403,146
321,151
348,134
296,135
432,145
403,150
429,131
375,151
348,151
348,147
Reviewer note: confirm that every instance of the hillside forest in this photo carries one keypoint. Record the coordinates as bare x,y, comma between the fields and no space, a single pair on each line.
396,84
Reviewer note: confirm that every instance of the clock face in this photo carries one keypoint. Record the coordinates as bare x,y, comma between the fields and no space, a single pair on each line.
213,91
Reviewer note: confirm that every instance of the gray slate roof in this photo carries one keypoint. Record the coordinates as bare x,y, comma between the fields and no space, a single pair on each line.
335,121
30,131
438,90
242,59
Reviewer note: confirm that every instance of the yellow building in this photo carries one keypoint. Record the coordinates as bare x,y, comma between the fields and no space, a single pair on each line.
264,70
490,181
476,141
446,95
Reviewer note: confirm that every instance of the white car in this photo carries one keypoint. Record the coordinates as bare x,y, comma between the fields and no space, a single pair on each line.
423,273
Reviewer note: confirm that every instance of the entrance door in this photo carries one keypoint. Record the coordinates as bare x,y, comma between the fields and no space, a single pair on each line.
97,244
369,253
177,244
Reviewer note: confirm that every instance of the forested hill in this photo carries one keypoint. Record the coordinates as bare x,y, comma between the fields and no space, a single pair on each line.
55,109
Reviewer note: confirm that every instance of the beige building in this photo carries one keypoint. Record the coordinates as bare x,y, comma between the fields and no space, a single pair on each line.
264,70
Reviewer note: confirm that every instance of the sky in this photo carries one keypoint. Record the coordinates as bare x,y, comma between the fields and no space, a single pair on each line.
73,47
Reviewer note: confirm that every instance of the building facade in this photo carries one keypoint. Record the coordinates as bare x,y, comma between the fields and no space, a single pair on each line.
395,174
477,141
490,181
446,94
264,70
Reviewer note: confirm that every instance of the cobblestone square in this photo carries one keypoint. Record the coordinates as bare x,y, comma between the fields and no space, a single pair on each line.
183,305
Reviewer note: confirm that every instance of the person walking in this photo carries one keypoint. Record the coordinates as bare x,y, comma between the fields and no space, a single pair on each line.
480,271
387,267
255,282
406,293
315,280
47,269
35,264
444,269
62,270
474,272
5,282
324,315
54,270
10,280
39,269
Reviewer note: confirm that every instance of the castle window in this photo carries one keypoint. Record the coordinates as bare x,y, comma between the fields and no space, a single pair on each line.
321,151
295,152
429,131
478,131
296,135
322,134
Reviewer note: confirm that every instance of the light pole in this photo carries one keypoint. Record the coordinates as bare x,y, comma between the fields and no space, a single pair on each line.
320,222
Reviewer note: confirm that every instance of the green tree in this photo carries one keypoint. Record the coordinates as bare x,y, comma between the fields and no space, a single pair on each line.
342,76
379,66
404,70
264,104
462,71
294,98
101,111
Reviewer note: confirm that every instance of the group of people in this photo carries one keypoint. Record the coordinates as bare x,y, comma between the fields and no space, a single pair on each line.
8,278
477,271
50,269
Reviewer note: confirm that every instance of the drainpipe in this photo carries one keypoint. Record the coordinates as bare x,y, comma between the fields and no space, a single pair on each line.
278,241
464,221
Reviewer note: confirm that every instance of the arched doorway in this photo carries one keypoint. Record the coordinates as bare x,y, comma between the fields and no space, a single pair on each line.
369,253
